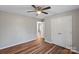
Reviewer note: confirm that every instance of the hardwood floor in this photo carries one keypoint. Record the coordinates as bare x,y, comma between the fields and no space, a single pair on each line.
36,47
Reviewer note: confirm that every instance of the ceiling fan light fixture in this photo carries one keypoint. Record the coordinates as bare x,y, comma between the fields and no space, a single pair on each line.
38,12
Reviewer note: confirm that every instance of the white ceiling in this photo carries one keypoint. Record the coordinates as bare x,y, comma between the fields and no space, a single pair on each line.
22,9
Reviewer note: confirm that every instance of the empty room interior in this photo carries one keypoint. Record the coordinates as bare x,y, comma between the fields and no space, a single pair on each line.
39,29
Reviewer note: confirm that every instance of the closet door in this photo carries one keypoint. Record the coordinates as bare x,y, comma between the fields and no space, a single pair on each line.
61,31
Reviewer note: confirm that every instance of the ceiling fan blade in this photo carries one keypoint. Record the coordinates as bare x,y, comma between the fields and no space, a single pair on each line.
30,11
45,12
33,6
46,8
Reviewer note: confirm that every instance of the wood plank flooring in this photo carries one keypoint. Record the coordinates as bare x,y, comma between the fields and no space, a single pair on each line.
36,47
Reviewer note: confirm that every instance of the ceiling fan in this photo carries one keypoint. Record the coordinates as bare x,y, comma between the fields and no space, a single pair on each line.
39,9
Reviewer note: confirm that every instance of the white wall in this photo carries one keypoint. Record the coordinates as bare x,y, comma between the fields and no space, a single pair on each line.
75,27
48,30
16,29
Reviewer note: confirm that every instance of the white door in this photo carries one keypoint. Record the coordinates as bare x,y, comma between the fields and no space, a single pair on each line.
61,31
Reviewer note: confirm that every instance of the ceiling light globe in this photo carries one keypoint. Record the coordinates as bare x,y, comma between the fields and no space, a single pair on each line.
38,12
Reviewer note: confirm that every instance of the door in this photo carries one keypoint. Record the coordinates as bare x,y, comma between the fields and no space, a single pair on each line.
61,31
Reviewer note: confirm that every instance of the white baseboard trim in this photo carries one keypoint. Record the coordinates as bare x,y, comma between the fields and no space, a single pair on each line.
75,51
72,50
